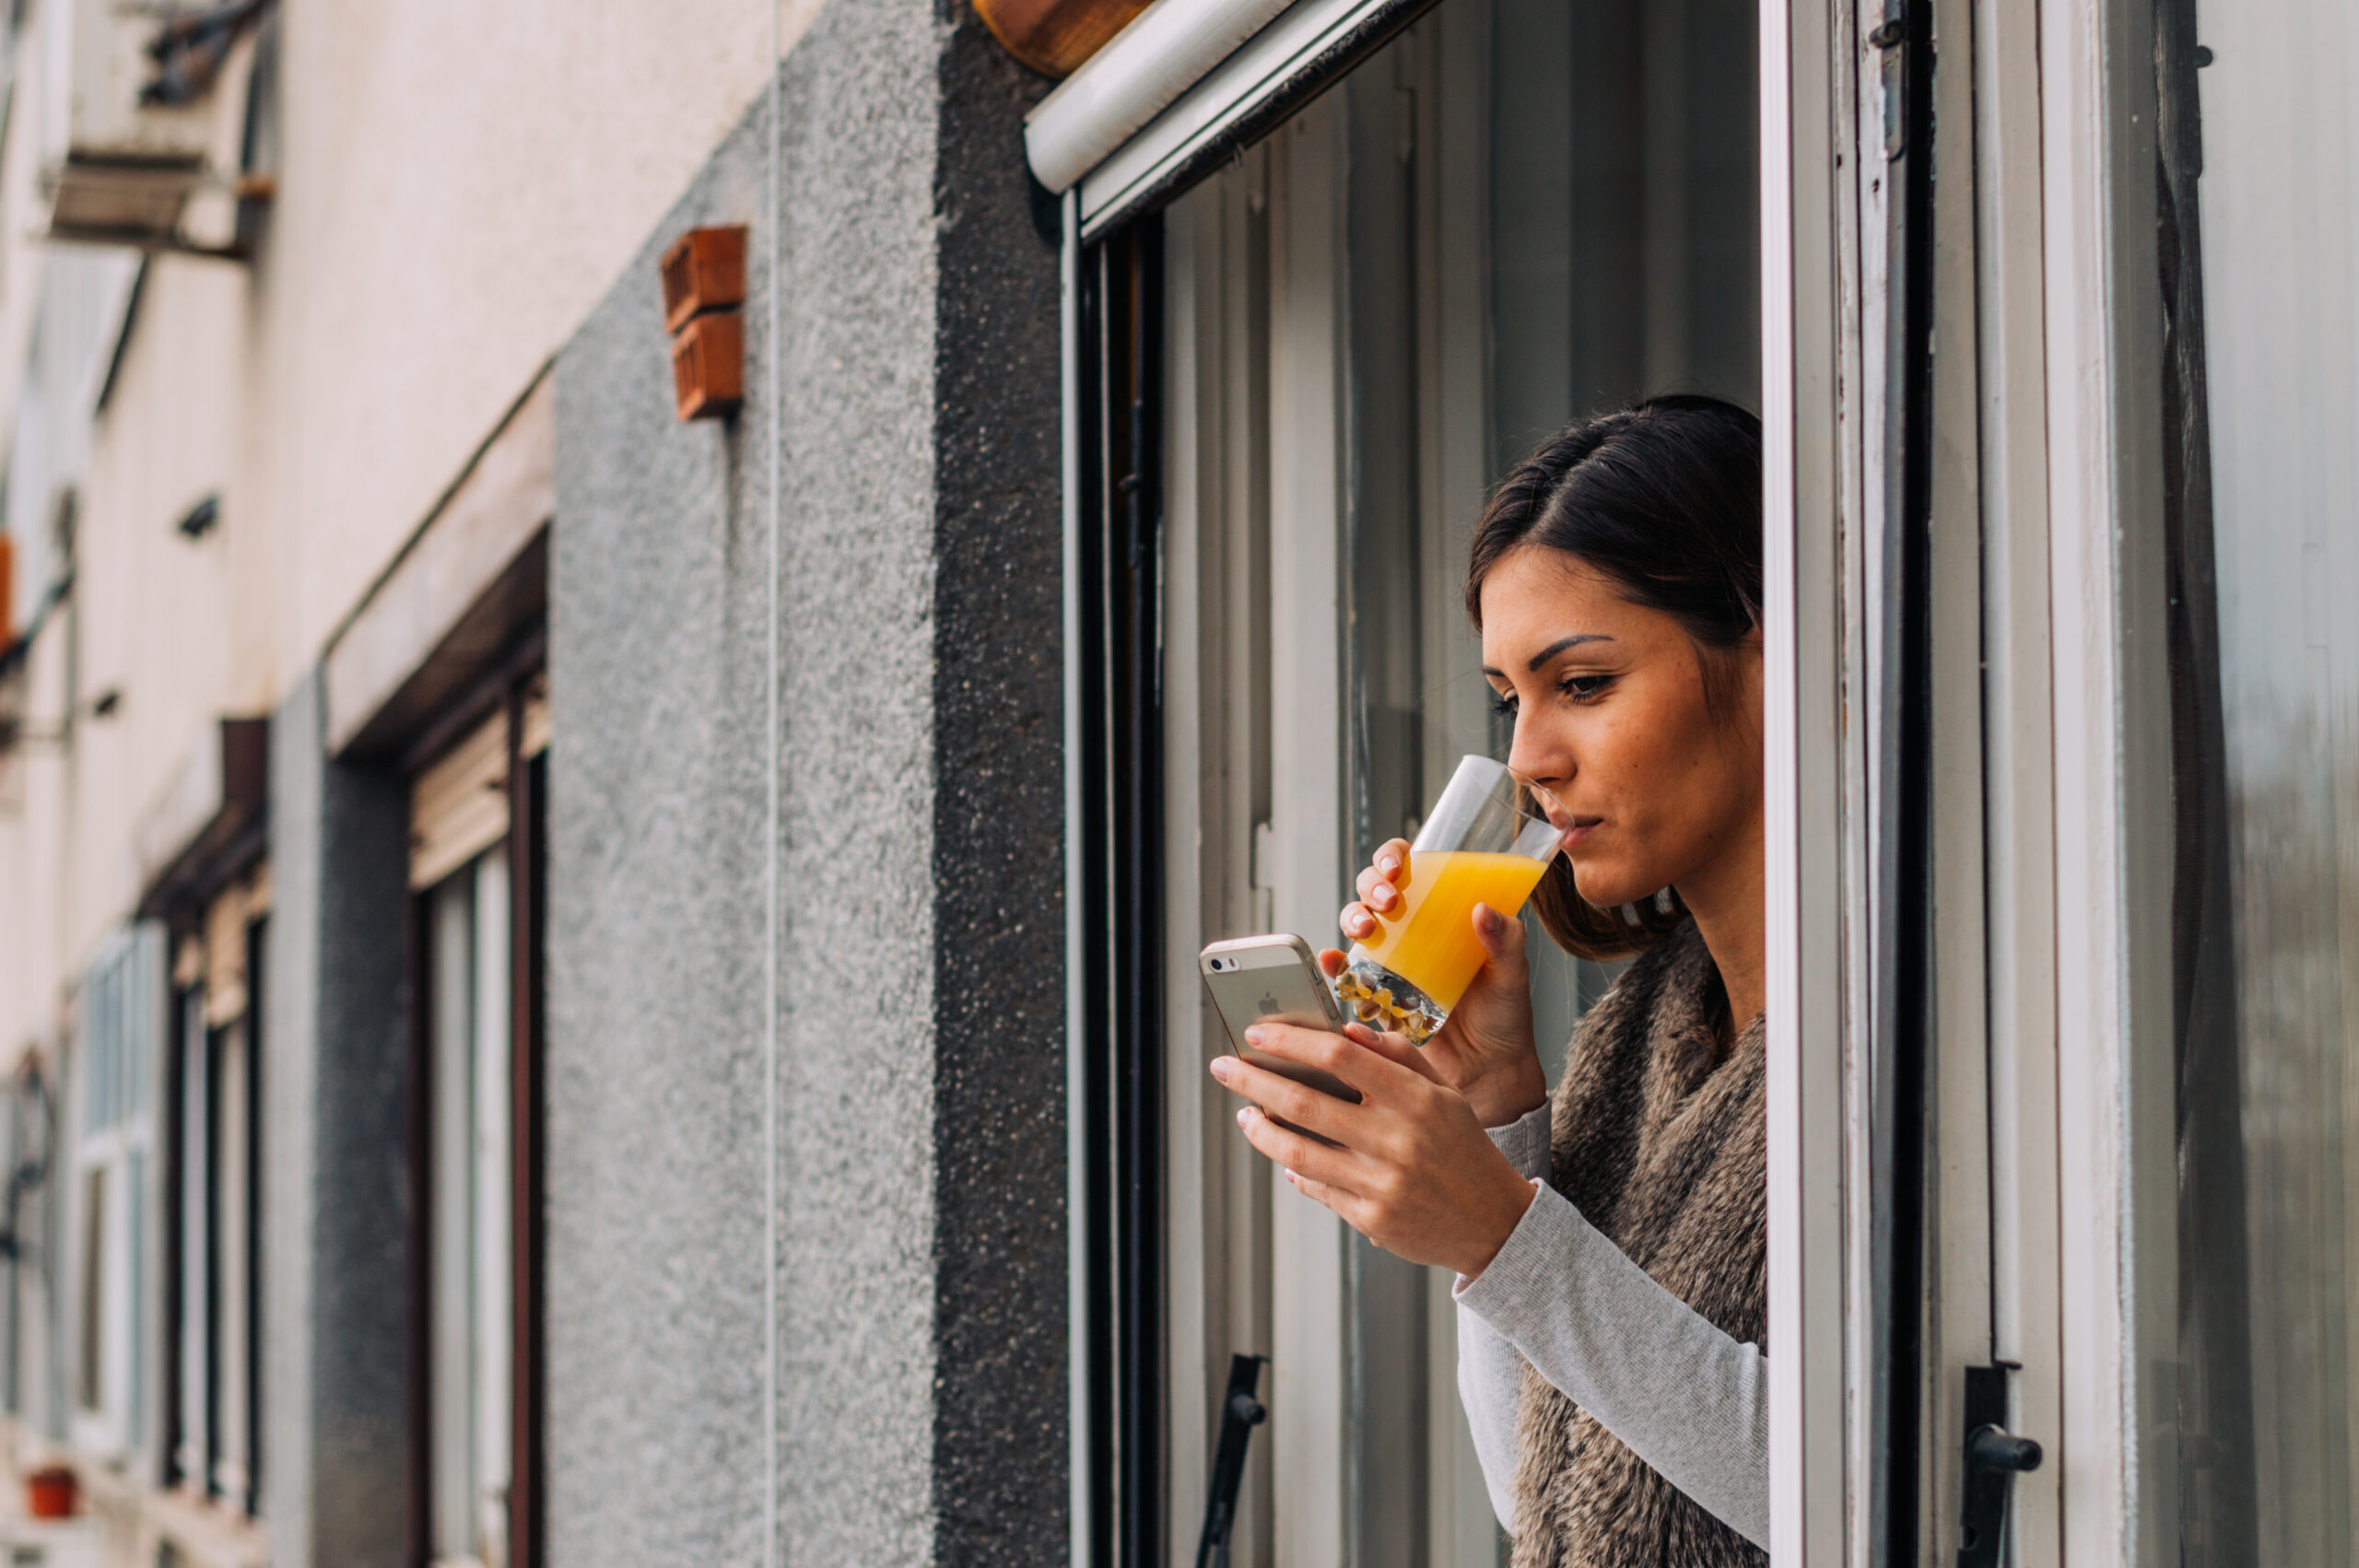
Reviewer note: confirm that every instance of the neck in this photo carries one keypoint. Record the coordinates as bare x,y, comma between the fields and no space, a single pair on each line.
1727,899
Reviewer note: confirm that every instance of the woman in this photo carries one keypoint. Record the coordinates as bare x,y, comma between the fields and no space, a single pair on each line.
1608,1246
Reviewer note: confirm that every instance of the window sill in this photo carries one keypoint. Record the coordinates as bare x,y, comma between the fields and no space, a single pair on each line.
199,1530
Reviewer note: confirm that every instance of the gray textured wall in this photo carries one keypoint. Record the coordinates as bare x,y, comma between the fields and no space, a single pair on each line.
920,1286
1000,1428
335,1056
653,1028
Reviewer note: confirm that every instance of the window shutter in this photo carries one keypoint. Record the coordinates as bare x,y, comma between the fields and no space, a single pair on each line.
459,805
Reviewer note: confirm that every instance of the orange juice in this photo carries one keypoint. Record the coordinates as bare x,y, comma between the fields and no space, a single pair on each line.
1431,943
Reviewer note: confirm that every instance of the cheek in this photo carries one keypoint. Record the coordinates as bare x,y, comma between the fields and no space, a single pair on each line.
1659,771
1636,753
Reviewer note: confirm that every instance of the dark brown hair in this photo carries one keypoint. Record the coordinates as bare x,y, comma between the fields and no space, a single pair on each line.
1664,498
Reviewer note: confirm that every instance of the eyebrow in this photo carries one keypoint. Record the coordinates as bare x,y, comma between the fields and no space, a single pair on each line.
1532,664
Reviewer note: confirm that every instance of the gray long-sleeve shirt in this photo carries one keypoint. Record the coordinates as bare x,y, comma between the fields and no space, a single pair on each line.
1561,1297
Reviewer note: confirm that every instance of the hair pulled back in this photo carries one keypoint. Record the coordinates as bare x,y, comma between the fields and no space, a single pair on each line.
1663,499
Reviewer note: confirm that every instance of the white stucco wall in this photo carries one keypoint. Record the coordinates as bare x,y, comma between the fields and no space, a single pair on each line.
459,182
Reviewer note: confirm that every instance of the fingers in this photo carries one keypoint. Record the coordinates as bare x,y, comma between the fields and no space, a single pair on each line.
1342,1200
1396,1048
1305,1158
1380,890
1331,1054
1283,1098
1502,938
1332,961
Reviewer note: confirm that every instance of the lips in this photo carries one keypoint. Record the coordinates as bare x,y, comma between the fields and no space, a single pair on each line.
1582,830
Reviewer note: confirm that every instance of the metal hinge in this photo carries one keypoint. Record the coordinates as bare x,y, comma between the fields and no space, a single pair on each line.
1889,36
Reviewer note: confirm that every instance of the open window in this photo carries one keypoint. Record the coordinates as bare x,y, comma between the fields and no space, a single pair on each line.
1303,365
2059,721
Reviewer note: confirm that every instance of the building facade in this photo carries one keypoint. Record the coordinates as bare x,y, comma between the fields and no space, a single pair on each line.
639,647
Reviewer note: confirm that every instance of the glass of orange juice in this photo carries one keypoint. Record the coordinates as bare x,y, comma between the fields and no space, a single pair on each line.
1488,841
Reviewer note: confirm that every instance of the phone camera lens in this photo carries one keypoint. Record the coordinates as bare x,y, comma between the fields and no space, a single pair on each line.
1220,964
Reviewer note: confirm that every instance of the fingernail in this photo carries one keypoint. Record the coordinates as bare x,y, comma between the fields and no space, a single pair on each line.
1291,1177
1388,865
1253,1036
1220,1068
1244,1116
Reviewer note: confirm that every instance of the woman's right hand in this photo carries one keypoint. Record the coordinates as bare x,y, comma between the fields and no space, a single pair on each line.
1485,1051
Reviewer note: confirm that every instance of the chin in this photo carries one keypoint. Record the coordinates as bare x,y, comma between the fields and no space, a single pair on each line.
1609,888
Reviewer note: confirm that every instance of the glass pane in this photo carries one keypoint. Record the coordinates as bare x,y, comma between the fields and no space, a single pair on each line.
138,1305
1217,677
195,1422
91,1385
451,928
101,1044
1549,213
468,930
494,1260
230,1264
2268,914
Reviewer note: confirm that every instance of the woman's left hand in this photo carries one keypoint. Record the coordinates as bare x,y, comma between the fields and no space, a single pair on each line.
1412,1170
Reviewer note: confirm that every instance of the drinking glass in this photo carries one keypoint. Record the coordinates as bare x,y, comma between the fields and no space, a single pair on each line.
1487,841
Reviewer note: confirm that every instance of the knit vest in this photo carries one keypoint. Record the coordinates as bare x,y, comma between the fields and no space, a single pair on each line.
1659,1143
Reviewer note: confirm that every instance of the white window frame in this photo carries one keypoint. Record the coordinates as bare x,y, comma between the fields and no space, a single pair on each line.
2117,1276
122,1030
460,874
194,1454
231,1469
470,1338
2078,1287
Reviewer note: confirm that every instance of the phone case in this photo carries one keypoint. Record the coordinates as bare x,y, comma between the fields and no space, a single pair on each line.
1254,977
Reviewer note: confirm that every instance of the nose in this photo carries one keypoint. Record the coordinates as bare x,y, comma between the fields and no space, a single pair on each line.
1539,758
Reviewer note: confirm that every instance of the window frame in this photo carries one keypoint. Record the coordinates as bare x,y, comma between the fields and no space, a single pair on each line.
513,699
121,1033
2072,744
212,1303
1829,1436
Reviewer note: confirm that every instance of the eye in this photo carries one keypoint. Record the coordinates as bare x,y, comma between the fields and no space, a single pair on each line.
1585,689
1503,705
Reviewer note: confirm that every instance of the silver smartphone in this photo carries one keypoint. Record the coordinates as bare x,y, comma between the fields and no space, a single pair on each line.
1273,977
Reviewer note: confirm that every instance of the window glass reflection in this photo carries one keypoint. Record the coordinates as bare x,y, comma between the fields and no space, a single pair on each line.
2268,678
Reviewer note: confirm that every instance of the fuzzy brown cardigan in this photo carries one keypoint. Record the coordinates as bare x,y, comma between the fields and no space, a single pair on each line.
1658,1141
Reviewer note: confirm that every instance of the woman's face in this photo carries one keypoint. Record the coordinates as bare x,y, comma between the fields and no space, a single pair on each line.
1657,788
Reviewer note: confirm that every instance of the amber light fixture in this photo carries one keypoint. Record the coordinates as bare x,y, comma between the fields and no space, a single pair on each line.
704,284
1054,37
